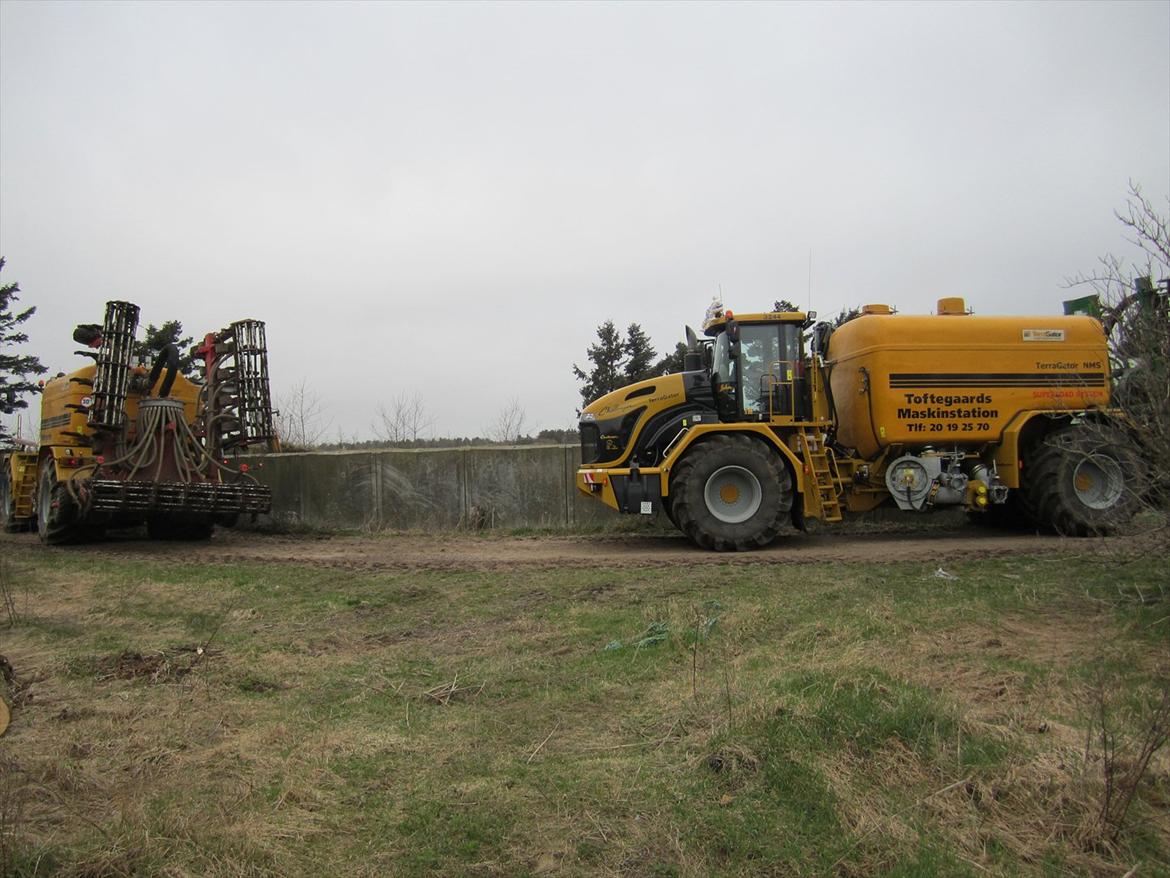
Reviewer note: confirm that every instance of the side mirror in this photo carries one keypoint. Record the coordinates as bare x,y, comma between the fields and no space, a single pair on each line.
820,338
733,331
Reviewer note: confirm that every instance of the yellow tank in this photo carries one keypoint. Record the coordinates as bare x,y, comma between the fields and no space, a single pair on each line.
956,379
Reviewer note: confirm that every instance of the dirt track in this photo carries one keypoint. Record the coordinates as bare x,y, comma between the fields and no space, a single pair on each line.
465,552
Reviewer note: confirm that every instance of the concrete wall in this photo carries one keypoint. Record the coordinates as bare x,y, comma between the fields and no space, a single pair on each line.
430,489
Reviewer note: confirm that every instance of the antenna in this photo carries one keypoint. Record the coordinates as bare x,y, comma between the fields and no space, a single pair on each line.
810,278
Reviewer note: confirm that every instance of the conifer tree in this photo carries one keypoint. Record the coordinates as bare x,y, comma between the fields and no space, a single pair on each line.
607,357
15,369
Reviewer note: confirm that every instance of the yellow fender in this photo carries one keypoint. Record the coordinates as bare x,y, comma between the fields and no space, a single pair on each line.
698,431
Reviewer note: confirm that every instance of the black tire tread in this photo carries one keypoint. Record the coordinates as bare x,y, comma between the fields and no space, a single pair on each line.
690,520
1047,492
62,524
7,505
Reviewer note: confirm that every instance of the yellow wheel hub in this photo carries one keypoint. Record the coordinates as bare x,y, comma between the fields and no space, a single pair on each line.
1084,481
728,493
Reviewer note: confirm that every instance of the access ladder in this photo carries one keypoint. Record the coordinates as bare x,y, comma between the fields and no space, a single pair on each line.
821,468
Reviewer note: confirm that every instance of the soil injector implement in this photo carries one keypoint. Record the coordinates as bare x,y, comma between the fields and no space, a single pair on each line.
121,445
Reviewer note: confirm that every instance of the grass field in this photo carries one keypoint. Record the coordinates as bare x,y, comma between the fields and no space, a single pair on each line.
833,719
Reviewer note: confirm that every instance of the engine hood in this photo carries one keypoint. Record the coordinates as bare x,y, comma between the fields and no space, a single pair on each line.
655,393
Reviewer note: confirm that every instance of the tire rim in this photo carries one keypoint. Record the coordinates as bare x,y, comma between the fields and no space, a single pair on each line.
1098,482
733,494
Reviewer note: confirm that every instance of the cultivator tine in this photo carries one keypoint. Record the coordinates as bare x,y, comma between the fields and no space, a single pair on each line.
112,378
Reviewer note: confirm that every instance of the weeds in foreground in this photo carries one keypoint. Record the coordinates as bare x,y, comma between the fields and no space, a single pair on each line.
1122,737
13,804
9,592
831,719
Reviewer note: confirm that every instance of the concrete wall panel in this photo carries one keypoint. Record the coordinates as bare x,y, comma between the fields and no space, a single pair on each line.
520,486
430,489
422,489
338,490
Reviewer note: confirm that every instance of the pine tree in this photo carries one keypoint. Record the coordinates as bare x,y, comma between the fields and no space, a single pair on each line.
607,357
158,337
15,369
672,362
640,355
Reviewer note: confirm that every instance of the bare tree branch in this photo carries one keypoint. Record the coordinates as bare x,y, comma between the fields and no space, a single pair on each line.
405,420
300,417
509,423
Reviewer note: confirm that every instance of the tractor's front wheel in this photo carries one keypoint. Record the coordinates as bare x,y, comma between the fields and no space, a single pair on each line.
1084,480
730,493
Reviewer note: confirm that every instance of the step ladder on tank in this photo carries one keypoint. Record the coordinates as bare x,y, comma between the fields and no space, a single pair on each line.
820,467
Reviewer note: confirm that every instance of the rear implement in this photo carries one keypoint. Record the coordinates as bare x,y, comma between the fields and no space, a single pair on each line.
123,445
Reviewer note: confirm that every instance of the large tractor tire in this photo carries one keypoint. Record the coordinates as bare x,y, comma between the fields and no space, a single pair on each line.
8,522
730,493
1083,480
58,518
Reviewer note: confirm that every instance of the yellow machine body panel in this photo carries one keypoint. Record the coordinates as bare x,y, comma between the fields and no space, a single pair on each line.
620,416
66,397
956,378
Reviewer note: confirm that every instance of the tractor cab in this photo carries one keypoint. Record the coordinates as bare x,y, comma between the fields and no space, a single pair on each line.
758,366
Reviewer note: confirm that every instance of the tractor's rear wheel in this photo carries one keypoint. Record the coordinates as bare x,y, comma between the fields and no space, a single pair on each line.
730,493
58,518
1083,480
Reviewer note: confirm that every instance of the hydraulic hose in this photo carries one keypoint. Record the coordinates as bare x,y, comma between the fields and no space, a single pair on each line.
867,389
168,356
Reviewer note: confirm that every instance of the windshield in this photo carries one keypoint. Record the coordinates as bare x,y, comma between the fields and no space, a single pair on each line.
769,355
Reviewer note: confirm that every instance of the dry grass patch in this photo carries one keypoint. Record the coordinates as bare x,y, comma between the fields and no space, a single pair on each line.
844,721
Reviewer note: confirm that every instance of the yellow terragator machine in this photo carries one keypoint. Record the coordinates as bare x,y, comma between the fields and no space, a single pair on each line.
1007,417
121,445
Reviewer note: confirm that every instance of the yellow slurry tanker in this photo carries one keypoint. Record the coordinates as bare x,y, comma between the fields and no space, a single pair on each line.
121,445
1007,417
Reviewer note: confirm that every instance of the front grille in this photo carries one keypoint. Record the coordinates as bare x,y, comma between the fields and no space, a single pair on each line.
590,440
114,495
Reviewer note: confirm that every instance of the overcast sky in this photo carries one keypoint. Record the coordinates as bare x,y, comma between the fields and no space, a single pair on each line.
449,198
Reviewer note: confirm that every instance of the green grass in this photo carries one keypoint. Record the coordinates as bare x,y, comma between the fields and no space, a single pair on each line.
829,719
